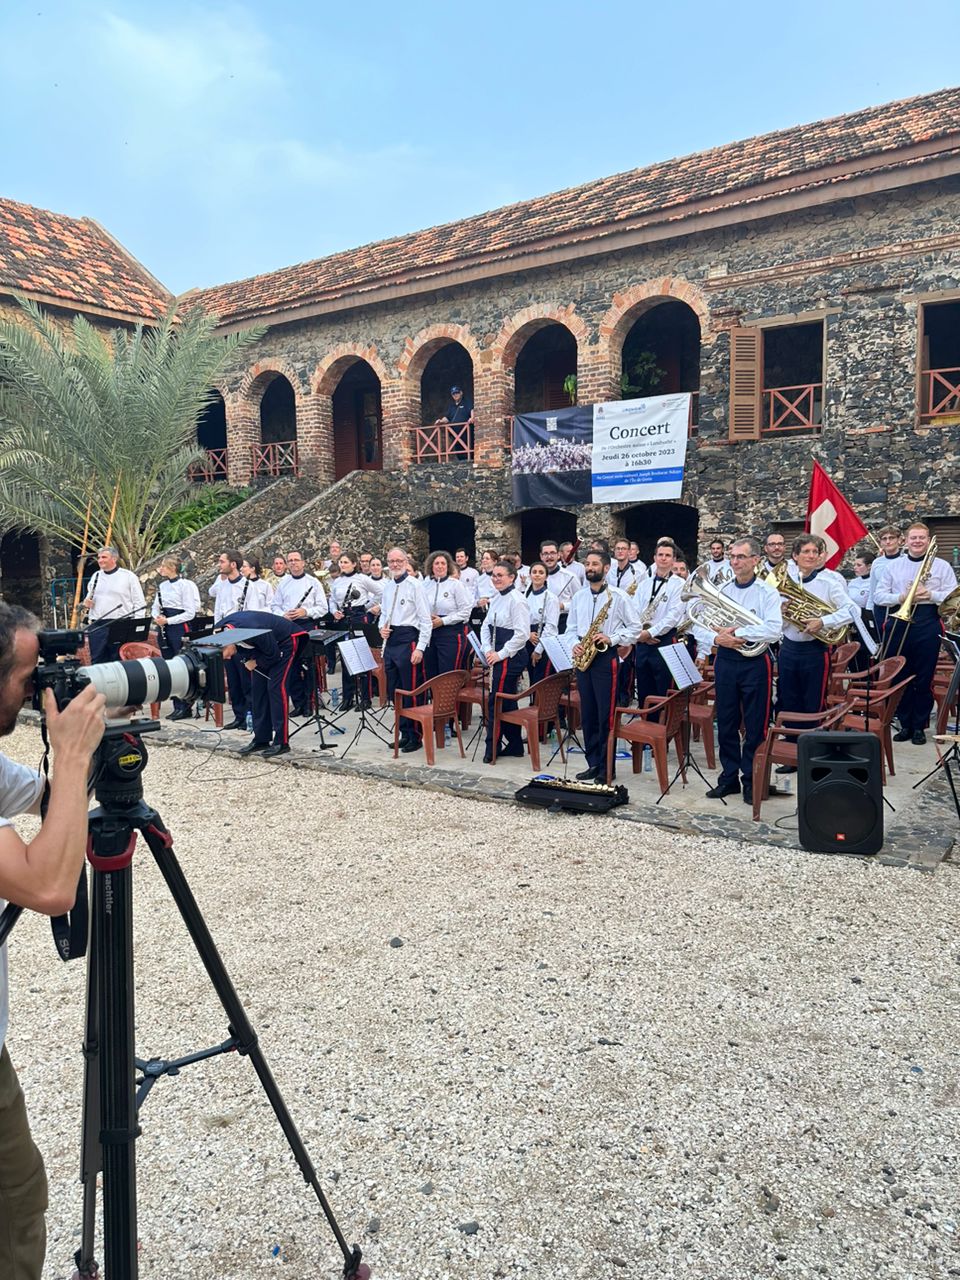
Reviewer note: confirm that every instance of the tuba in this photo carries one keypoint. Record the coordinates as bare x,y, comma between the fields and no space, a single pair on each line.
950,610
708,608
800,606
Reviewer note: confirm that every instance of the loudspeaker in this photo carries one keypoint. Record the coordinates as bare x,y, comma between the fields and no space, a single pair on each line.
840,792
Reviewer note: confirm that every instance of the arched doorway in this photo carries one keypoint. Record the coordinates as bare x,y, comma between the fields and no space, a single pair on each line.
645,523
546,361
212,437
450,366
278,412
21,580
540,523
447,530
661,352
357,422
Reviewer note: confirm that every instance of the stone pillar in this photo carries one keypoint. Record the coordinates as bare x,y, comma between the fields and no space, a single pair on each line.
400,409
597,380
493,404
314,441
243,431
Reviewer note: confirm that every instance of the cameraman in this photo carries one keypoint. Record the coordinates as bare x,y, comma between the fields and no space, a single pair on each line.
42,876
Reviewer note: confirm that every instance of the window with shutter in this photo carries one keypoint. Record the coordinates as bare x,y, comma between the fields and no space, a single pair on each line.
745,376
946,530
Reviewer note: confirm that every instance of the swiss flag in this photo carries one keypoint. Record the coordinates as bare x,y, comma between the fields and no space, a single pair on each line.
831,515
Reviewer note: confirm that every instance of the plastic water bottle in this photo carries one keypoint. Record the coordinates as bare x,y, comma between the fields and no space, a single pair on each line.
249,722
335,698
647,760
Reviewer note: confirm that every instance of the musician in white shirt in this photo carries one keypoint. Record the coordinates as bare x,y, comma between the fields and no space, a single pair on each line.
468,575
176,602
406,627
504,637
661,610
114,594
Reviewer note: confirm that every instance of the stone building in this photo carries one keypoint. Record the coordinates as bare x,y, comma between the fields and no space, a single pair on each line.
805,285
70,266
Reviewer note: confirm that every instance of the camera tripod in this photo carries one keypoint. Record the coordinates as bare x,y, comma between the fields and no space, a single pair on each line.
111,1094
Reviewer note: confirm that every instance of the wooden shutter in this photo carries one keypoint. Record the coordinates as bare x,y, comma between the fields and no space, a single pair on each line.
746,367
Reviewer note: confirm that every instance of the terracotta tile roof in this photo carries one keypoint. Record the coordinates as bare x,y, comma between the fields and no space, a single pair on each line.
73,261
726,175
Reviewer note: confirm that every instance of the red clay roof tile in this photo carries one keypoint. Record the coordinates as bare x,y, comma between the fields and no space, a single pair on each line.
727,174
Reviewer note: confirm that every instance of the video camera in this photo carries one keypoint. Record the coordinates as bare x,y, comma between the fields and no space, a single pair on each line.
197,671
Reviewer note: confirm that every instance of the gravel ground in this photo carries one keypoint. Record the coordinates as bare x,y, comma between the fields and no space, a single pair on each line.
519,1044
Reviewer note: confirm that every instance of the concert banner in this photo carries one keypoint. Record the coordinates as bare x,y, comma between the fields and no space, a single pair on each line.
621,451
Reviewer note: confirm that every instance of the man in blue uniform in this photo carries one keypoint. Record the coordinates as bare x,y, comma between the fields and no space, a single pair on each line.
268,658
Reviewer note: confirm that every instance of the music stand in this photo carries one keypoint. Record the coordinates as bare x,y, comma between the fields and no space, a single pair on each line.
199,626
561,659
358,661
952,756
125,630
316,642
686,677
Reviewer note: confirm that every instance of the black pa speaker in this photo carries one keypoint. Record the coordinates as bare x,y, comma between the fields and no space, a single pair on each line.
840,792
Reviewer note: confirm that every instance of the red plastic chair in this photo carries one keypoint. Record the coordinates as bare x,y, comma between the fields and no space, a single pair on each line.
441,705
544,710
780,745
658,723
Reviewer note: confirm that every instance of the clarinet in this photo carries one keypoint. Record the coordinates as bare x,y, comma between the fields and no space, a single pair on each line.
161,631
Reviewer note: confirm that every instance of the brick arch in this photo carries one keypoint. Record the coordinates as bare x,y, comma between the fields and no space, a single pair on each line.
335,363
515,331
417,351
629,305
256,376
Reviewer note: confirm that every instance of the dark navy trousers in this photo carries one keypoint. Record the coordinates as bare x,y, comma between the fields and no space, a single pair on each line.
920,647
743,692
803,672
597,687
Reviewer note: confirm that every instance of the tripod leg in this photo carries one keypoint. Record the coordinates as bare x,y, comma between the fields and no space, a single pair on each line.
161,846
113,956
91,1155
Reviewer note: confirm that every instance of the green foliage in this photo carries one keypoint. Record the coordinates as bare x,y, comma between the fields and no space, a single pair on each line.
570,387
641,375
212,501
86,416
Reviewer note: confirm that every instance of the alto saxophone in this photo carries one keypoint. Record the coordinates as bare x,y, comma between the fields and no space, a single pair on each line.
590,646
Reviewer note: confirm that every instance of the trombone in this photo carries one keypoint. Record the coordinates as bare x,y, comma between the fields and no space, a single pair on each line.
907,609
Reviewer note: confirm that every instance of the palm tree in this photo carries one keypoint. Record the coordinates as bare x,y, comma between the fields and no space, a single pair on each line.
89,418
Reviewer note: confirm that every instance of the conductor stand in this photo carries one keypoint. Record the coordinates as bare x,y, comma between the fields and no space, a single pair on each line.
112,1094
687,678
317,642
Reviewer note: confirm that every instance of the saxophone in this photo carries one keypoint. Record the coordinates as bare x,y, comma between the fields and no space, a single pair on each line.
800,606
590,646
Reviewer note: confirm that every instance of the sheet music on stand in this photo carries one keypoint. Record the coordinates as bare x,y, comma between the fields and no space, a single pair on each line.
357,656
680,665
474,641
558,650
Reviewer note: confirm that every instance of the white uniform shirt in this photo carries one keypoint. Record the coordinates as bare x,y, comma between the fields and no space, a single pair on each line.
485,588
880,563
563,584
827,586
621,623
508,611
116,593
578,571
625,578
762,601
19,788
255,594
178,600
376,586
304,592
896,576
860,591
717,567
405,605
469,578
544,614
226,594
346,582
670,609
449,600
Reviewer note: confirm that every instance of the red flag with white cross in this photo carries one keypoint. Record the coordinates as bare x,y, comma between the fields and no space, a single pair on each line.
831,516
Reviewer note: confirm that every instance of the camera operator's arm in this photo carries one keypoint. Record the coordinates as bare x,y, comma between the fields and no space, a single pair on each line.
43,874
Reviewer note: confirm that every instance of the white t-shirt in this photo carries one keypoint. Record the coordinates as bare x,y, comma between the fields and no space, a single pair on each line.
19,788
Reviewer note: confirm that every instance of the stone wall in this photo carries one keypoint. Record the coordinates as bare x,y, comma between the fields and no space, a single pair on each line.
862,267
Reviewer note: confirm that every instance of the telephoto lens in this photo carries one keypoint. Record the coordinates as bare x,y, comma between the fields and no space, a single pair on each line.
144,680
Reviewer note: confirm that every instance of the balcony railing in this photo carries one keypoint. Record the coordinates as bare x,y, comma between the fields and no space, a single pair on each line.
443,442
276,459
792,408
940,393
214,467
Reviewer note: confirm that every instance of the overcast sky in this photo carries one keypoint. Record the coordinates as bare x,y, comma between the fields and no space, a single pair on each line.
217,141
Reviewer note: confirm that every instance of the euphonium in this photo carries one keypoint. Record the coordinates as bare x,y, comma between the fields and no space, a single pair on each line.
590,646
800,606
709,609
950,610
